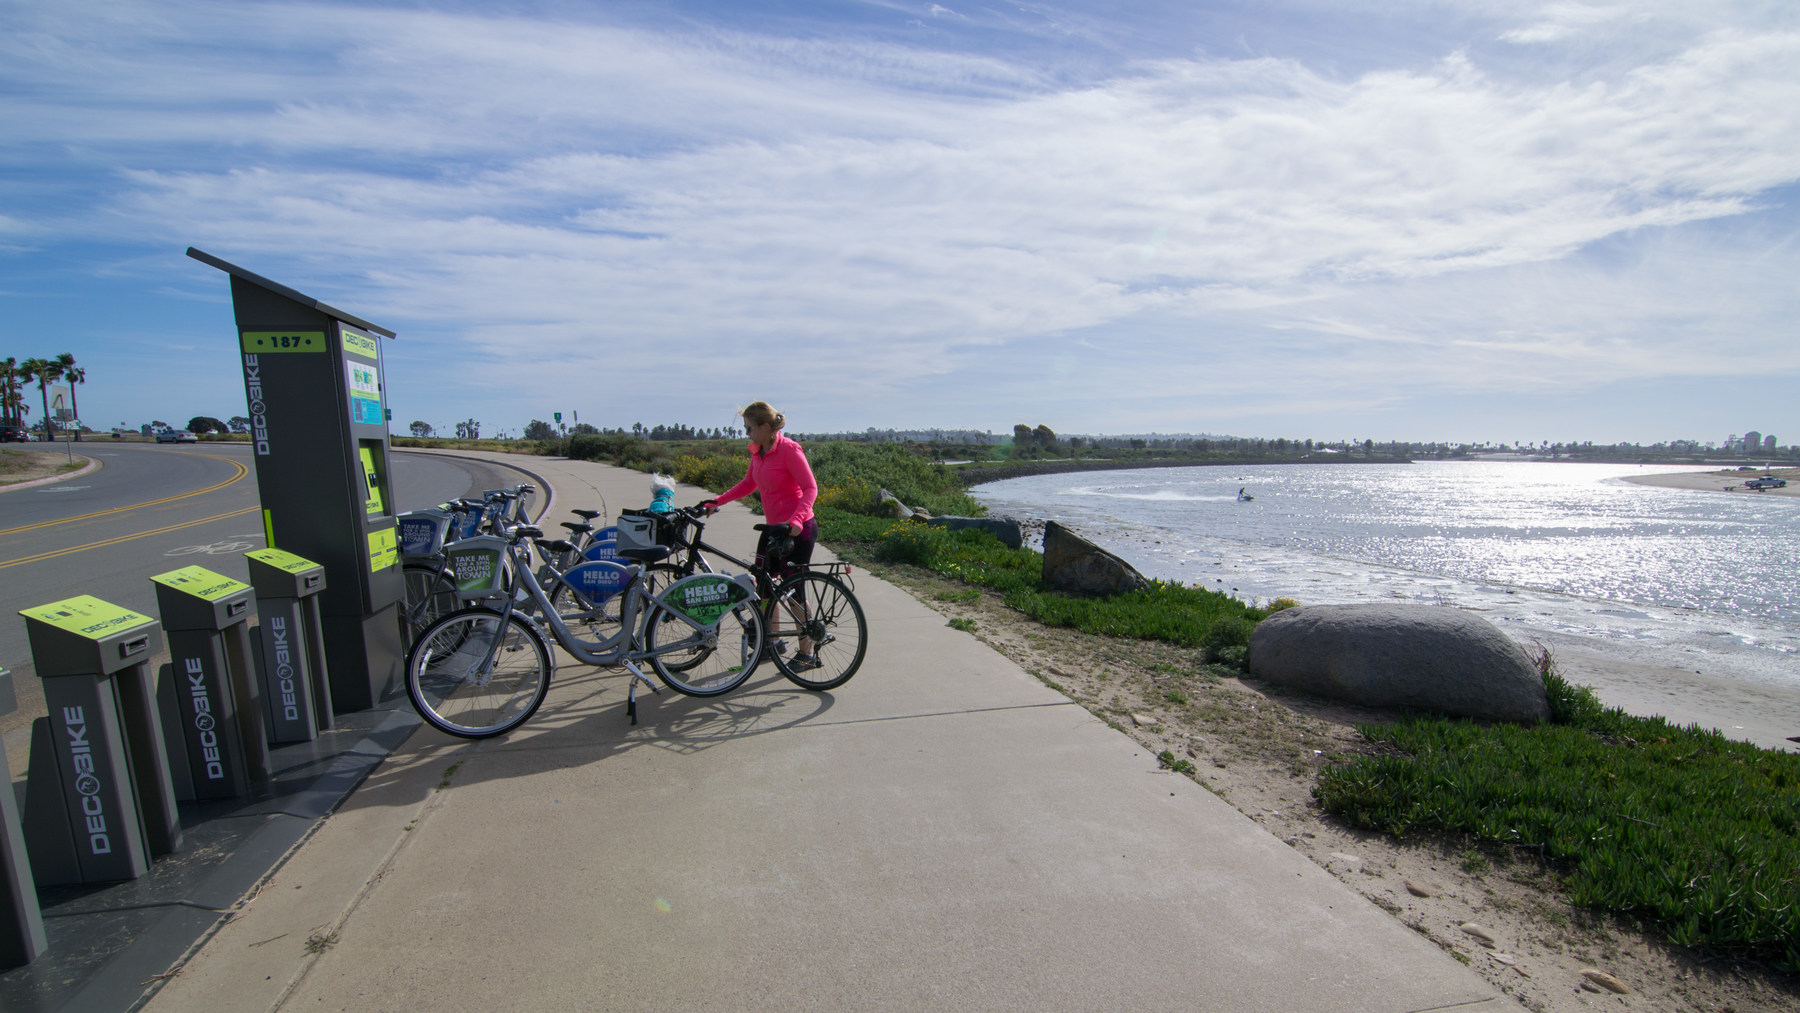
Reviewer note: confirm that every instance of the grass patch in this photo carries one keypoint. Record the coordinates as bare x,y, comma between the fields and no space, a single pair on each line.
965,625
1680,827
1173,613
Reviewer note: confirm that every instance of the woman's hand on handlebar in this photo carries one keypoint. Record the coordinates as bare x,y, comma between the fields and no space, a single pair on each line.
708,507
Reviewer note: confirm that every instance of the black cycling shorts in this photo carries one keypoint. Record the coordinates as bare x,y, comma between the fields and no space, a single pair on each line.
796,557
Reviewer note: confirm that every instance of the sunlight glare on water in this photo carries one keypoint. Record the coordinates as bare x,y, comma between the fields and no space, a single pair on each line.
1591,549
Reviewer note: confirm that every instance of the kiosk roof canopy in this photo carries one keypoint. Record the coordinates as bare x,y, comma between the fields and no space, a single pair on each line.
282,290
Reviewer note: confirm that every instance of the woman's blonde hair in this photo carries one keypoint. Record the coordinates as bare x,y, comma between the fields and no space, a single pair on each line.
758,412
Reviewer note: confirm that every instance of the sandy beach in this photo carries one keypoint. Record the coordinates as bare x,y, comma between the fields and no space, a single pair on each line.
1729,480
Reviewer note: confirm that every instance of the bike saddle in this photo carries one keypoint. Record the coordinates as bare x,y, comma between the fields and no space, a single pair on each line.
586,515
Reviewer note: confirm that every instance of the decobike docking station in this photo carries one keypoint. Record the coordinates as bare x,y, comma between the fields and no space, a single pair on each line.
290,644
21,921
318,421
212,712
99,803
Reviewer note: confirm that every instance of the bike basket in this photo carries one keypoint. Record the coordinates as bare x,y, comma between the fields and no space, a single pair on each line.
422,532
471,522
641,529
479,565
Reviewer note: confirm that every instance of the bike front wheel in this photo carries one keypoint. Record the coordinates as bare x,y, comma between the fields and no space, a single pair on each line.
477,673
707,661
818,608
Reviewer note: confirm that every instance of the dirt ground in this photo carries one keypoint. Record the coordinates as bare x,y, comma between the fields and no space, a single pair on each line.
1490,907
26,465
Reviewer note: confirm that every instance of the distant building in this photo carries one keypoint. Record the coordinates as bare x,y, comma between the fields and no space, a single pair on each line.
1769,444
1752,442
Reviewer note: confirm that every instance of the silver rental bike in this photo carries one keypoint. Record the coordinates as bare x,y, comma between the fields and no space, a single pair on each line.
484,670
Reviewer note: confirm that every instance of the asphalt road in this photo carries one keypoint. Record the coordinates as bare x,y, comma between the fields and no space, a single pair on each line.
151,508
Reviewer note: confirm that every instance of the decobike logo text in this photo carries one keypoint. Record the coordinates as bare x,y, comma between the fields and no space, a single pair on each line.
284,668
87,783
204,721
259,412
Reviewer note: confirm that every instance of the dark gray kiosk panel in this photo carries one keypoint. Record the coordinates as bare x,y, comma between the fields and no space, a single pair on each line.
319,423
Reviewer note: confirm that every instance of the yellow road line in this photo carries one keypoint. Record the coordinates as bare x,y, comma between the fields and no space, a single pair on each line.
241,472
125,538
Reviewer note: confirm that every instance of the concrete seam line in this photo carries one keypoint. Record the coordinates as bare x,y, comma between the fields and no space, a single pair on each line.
336,925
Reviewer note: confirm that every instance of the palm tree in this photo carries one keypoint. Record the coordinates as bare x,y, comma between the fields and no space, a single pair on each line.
46,372
75,375
12,398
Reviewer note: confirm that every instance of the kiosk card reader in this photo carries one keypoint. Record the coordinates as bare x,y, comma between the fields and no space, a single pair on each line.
99,803
318,424
291,644
211,706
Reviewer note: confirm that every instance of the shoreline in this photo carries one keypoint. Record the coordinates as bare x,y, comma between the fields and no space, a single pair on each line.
1693,678
1718,481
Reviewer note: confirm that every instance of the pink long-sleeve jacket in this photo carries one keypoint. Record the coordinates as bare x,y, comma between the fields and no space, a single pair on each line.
784,479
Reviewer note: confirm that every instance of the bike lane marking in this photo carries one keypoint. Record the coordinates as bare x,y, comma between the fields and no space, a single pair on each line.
52,554
241,472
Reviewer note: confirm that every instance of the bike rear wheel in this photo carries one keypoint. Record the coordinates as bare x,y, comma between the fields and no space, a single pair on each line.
708,661
476,673
817,607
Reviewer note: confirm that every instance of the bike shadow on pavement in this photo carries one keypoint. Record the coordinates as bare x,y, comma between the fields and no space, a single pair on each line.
583,721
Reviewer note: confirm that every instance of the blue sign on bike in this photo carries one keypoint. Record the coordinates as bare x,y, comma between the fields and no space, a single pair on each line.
422,533
607,550
598,580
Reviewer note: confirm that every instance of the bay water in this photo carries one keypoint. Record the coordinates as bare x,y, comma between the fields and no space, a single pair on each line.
1655,575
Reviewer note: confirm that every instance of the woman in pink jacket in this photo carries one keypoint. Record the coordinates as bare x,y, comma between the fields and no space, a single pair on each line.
779,471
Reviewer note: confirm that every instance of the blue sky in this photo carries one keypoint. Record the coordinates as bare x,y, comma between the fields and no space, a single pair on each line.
1323,219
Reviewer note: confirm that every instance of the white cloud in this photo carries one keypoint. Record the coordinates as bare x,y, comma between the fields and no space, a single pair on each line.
599,196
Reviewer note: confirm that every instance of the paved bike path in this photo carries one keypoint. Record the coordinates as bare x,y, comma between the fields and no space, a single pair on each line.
943,832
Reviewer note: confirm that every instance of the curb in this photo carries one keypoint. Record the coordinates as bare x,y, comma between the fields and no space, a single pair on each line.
93,464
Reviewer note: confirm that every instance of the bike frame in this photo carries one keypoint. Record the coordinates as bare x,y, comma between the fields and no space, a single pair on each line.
621,649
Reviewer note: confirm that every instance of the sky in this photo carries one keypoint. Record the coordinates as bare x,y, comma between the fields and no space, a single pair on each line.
1490,220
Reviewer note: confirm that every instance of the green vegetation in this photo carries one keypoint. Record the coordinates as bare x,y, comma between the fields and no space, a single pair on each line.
1684,828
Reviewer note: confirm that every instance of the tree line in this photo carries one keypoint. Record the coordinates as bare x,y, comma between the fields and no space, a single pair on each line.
15,375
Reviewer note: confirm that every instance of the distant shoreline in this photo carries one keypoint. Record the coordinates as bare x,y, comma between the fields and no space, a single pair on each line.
982,474
1718,481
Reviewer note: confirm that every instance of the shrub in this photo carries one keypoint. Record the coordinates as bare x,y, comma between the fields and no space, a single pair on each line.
1227,640
911,543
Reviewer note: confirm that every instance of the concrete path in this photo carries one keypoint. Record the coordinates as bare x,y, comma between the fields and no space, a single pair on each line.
943,832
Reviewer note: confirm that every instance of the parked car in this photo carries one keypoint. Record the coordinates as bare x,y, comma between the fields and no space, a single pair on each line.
176,436
14,434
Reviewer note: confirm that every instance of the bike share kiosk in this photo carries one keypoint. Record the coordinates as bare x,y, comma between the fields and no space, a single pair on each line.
21,922
208,691
99,803
292,644
319,426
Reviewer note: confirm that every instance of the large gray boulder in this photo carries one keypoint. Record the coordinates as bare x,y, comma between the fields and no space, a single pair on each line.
1422,657
1004,528
1072,563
